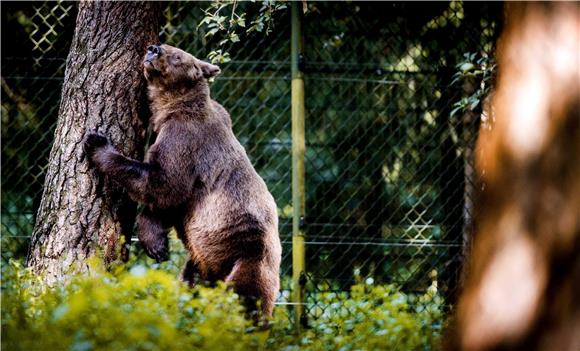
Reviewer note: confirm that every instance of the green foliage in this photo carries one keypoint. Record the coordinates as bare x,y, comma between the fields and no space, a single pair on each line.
371,317
145,309
136,309
476,73
226,20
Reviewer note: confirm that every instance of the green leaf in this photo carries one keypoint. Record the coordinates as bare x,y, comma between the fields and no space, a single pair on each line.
241,21
454,111
234,38
211,32
474,104
467,66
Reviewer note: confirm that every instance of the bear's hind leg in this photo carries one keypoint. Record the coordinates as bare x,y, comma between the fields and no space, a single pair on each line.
252,281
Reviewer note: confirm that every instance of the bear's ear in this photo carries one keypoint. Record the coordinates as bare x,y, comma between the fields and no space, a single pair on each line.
208,70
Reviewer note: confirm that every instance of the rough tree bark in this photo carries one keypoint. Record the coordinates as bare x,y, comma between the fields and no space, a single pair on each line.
82,214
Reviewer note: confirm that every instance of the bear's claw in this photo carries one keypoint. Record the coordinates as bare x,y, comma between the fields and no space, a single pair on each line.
94,141
157,249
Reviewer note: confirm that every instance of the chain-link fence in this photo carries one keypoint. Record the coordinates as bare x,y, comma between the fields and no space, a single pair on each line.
35,41
386,165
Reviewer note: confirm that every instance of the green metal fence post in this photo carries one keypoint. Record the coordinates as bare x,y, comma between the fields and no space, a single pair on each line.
298,148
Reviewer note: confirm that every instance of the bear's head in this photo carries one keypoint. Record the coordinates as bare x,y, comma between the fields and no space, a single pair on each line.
168,66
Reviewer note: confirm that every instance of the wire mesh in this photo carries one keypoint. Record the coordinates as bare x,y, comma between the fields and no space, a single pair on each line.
385,164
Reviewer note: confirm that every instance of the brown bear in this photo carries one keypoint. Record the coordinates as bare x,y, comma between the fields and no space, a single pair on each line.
198,179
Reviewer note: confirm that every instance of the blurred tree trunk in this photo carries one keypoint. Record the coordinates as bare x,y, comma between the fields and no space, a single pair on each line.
82,214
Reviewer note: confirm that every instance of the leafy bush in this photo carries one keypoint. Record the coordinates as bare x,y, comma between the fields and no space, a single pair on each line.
134,308
371,317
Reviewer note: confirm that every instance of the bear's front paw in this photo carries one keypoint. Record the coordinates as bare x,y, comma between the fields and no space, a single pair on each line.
94,141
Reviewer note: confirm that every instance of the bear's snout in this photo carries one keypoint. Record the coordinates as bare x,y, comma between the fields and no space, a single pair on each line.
154,49
153,52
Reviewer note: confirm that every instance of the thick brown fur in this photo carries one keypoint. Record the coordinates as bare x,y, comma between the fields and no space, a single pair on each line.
197,178
523,287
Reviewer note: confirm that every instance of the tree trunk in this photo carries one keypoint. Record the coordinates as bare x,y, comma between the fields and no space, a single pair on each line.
81,213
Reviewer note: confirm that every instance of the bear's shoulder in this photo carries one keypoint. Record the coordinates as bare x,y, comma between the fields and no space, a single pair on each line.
221,113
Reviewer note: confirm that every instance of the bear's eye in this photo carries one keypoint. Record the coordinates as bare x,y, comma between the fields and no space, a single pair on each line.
175,59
